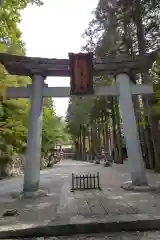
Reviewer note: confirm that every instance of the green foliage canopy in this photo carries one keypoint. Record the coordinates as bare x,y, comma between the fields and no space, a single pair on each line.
14,113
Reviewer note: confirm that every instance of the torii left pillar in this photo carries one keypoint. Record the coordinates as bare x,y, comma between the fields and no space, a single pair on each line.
33,155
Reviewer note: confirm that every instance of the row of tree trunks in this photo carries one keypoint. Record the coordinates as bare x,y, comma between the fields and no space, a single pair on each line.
148,134
93,139
156,142
102,135
152,149
107,136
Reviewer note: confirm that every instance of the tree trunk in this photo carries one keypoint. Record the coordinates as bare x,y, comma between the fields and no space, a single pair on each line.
89,144
98,137
145,75
84,143
115,149
156,133
80,144
93,134
118,131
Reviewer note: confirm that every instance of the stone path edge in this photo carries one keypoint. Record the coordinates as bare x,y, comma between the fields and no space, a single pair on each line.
143,222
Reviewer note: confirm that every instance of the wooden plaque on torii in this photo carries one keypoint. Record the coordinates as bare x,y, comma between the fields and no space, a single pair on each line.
81,73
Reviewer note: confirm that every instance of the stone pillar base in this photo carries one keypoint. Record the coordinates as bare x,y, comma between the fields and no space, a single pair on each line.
22,195
130,187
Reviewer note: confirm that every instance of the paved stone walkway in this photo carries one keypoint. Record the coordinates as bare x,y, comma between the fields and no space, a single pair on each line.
116,236
62,207
110,236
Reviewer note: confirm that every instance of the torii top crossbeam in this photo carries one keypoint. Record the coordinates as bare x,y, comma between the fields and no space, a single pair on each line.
25,66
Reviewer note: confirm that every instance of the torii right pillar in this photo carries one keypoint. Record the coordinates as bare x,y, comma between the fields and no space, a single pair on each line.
136,163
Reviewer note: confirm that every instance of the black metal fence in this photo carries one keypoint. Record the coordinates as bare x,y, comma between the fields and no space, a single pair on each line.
83,182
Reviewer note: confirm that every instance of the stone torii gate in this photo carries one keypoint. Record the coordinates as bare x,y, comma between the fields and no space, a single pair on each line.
39,68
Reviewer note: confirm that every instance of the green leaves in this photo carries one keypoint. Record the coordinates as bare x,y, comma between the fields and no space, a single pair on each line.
14,113
53,130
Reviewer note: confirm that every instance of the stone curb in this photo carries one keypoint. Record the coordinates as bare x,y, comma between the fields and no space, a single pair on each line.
137,222
149,188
